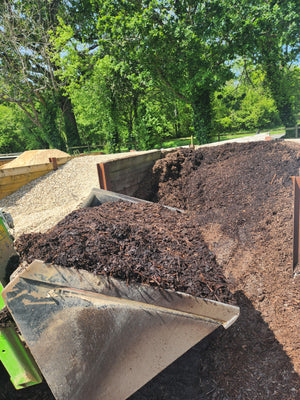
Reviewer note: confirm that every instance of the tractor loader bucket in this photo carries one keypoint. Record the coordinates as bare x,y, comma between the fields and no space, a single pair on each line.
96,338
14,356
100,196
8,255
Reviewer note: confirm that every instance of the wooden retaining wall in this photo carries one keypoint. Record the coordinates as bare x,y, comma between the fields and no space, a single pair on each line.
5,161
11,179
126,175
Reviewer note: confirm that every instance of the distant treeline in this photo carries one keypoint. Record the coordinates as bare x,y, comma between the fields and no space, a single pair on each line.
126,75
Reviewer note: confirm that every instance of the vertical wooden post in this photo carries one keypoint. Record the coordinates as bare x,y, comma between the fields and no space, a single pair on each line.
103,176
53,160
296,241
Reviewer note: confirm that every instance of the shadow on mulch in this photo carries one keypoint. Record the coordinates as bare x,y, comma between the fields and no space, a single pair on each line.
244,362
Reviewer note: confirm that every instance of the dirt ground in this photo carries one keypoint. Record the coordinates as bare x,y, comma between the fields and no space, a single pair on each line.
240,198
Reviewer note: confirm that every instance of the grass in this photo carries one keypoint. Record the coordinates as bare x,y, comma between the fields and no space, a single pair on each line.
223,136
176,142
186,141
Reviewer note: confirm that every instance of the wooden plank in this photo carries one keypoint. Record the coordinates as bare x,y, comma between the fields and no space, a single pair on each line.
131,181
63,160
12,179
26,170
133,161
32,168
127,181
124,177
20,179
2,162
4,194
17,182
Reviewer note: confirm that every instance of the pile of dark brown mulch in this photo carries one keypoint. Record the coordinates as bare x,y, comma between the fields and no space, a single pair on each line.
143,243
242,198
5,318
239,196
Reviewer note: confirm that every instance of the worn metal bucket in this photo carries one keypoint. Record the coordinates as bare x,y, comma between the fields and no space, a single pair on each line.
99,338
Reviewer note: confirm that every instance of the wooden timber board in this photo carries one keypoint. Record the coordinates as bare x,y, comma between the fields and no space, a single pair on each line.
12,179
125,175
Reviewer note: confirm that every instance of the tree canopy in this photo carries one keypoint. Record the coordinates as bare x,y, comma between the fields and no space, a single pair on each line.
27,72
129,73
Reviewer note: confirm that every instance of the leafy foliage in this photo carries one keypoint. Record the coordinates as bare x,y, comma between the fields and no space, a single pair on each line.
127,74
27,71
184,46
245,105
10,131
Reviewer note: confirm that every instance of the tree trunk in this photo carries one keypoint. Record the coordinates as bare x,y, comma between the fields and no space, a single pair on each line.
49,131
202,116
70,124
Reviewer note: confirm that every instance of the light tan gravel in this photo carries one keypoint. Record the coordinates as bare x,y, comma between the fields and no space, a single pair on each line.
39,205
33,157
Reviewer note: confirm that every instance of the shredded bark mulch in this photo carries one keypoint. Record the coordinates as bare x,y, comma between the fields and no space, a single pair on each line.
238,199
242,198
5,318
140,243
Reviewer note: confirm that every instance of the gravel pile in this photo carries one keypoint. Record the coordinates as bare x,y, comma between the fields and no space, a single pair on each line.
42,203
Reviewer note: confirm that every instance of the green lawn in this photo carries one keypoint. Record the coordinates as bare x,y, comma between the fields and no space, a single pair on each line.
223,136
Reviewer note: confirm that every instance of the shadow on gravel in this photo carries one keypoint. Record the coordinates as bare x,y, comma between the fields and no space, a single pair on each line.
244,362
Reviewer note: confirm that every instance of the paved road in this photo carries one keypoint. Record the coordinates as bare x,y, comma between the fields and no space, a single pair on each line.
246,139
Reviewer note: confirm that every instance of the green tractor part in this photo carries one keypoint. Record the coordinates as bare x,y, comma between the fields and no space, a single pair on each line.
16,359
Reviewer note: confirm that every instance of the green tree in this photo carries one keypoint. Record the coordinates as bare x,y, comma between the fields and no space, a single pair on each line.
27,72
121,107
245,104
184,45
189,49
11,140
273,28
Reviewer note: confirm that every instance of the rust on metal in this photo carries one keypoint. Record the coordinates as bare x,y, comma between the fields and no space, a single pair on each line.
53,160
103,176
296,243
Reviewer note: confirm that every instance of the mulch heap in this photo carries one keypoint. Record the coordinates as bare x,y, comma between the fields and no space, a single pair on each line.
238,198
242,198
140,243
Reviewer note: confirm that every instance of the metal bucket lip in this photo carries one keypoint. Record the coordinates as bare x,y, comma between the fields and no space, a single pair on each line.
100,196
